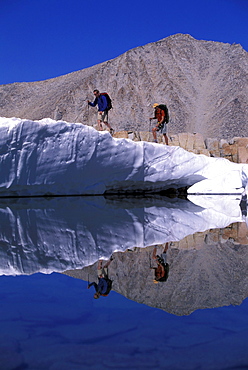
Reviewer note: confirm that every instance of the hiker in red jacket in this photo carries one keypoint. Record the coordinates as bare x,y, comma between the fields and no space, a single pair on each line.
161,271
161,125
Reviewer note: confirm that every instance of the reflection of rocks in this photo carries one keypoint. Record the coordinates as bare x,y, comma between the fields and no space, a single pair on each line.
212,276
237,232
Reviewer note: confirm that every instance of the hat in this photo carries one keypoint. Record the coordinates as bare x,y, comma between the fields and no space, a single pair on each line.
155,105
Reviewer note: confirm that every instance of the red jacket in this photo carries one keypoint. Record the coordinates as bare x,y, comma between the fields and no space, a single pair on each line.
160,115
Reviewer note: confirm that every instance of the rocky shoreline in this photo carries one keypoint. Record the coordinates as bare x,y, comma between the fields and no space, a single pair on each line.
236,149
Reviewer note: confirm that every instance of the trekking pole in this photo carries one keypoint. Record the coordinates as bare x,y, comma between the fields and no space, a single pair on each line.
150,124
81,112
77,117
88,114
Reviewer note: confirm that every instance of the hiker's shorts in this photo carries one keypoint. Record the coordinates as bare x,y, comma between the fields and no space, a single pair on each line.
102,117
163,129
103,272
164,257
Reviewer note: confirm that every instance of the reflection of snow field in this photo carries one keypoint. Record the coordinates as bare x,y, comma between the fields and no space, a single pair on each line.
223,204
59,234
227,205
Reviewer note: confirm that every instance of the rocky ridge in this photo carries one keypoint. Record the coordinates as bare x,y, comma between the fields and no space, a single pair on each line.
204,84
235,149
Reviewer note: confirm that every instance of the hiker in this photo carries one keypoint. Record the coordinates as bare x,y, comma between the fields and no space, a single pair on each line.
102,117
104,285
163,118
161,271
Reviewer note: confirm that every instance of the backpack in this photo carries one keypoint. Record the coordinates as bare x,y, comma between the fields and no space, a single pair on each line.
108,289
165,109
109,101
166,269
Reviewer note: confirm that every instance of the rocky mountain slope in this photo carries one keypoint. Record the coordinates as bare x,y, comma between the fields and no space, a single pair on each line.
204,83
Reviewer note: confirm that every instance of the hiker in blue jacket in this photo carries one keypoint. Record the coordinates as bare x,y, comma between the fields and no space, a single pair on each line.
104,283
102,116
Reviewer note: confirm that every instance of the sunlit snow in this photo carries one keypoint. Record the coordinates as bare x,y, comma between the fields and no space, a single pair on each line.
50,157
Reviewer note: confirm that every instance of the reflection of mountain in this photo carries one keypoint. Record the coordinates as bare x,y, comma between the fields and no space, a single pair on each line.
56,234
214,275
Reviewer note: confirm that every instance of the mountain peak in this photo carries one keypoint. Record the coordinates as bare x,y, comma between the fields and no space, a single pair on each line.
204,84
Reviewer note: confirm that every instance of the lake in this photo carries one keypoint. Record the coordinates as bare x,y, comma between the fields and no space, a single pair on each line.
50,249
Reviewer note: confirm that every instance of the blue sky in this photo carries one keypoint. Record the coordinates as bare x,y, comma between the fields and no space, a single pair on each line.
41,39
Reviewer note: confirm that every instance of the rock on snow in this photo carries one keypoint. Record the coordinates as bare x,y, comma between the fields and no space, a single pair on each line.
50,157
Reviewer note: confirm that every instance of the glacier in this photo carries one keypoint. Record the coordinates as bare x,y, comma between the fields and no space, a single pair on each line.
47,157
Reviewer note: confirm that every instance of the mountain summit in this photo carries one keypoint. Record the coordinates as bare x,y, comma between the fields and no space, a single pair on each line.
204,84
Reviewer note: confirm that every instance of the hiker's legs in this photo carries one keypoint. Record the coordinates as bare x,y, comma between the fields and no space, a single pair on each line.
166,139
154,133
164,132
108,262
111,130
105,268
154,253
99,268
102,271
108,125
105,120
166,247
99,121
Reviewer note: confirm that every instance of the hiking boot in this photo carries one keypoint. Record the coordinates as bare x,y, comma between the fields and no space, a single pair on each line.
112,131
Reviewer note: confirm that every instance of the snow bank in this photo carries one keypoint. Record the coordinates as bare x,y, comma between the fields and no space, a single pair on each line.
50,157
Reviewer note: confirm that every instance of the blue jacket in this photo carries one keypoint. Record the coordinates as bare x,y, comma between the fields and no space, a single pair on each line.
102,103
101,287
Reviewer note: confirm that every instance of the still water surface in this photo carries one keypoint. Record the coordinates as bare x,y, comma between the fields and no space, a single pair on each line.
49,248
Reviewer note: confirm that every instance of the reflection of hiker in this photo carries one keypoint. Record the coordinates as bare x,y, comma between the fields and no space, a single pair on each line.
162,116
162,269
104,105
104,283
